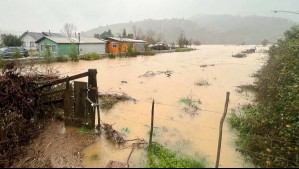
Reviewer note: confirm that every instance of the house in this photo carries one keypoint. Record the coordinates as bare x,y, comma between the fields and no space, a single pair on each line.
113,45
29,38
90,45
61,46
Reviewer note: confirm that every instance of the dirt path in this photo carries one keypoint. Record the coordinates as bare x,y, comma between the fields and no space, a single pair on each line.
56,147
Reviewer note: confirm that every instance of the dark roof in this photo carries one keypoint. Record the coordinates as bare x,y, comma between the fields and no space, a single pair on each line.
37,36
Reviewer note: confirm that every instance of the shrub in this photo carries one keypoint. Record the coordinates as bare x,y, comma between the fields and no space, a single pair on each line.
91,56
271,126
48,54
17,55
61,59
160,157
74,53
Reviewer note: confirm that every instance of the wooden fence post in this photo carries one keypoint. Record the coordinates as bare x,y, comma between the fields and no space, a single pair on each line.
92,95
152,123
220,129
67,102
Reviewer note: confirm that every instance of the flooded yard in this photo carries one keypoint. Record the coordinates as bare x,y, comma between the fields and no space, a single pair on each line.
203,75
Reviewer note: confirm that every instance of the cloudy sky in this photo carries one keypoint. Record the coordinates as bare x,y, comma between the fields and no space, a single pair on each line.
44,15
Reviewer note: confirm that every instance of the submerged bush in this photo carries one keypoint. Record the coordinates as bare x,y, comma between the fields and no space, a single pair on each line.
91,56
270,128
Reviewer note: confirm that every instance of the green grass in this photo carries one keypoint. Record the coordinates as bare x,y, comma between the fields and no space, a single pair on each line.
160,157
189,102
184,49
84,130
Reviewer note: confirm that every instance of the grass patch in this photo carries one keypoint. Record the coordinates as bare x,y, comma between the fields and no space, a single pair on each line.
184,49
84,130
125,131
160,157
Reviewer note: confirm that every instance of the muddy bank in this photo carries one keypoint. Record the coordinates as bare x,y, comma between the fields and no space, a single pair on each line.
56,147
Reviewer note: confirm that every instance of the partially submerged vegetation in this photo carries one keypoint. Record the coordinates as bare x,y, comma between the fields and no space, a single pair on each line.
202,83
108,100
184,49
190,105
160,157
269,130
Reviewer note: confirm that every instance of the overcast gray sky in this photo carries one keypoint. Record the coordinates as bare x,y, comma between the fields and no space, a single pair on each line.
44,15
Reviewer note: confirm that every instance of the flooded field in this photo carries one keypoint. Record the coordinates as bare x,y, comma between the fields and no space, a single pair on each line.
194,133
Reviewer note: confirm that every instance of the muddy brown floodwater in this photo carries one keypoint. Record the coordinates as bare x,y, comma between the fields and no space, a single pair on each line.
195,135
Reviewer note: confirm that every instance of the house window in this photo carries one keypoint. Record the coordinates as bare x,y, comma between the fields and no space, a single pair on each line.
32,44
24,44
53,48
114,45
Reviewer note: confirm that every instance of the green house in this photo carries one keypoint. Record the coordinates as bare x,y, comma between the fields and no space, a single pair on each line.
59,46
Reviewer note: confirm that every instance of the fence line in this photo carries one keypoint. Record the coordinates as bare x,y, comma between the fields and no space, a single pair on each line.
164,104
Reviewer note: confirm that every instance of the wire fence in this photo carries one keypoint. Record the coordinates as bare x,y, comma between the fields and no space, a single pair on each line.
198,126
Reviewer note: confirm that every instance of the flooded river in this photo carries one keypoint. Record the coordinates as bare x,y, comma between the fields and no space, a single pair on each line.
193,134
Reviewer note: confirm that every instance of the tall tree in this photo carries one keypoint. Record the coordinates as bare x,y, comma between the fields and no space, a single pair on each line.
69,30
11,40
124,34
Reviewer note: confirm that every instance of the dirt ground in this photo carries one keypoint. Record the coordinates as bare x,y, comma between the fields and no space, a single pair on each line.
56,147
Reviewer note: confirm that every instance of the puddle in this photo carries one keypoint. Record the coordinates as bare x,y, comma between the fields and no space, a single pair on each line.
191,134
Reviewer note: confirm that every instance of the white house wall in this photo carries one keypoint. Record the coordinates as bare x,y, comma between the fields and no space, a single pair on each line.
89,48
26,40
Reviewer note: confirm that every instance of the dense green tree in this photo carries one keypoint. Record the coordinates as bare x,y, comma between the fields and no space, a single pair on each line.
11,40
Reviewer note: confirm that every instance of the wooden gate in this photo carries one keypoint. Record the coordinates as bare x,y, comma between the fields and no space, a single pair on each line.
79,104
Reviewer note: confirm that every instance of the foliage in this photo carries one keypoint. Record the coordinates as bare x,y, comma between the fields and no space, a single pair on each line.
271,126
104,35
61,59
161,157
91,56
202,83
197,43
17,55
84,130
10,40
182,41
184,49
74,53
265,42
2,62
190,105
48,54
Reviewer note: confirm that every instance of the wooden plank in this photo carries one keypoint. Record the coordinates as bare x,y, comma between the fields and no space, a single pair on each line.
67,100
67,79
92,95
80,92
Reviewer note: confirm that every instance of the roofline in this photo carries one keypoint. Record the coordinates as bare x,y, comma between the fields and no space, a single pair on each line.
136,41
69,42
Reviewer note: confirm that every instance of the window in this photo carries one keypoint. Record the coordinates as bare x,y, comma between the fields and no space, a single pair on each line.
24,44
32,44
53,48
114,45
